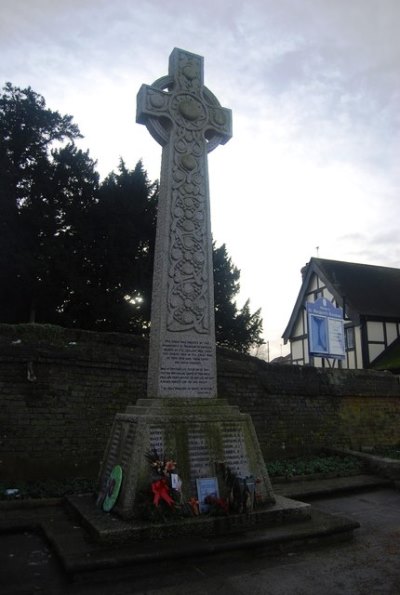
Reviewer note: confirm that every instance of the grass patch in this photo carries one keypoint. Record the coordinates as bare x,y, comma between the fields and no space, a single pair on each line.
20,490
334,464
315,464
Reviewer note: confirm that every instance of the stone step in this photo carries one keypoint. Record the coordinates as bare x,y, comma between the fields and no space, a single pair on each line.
81,557
108,528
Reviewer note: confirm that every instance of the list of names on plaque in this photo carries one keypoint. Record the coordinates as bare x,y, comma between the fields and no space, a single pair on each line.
235,449
199,454
156,440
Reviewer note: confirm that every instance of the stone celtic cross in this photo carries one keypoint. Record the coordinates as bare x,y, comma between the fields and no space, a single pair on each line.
188,121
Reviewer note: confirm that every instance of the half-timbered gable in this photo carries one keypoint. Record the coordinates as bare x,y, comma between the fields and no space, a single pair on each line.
370,298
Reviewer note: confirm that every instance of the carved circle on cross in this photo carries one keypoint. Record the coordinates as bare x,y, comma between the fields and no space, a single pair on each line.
191,71
189,109
188,162
188,112
160,131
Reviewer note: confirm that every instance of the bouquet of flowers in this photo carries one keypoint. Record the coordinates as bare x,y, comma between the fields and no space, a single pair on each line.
166,486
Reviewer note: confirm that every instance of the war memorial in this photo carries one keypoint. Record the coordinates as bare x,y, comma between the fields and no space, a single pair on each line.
181,418
182,461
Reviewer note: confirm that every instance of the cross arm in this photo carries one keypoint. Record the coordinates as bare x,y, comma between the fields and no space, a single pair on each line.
219,128
152,109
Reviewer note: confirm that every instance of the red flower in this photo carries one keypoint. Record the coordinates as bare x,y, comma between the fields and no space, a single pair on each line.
161,492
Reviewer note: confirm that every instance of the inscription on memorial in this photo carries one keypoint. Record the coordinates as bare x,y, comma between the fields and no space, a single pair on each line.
235,449
186,367
156,439
199,454
234,454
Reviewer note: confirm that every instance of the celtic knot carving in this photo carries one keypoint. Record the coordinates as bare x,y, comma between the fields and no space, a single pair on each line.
189,73
188,298
186,119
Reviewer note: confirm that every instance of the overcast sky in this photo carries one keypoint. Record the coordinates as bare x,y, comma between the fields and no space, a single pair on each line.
314,86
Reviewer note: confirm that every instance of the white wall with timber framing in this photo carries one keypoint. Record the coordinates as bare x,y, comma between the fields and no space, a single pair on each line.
364,341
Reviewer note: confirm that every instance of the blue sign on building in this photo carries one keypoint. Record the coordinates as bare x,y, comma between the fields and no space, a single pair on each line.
325,329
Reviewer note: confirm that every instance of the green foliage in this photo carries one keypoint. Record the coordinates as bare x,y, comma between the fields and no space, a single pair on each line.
279,468
312,465
20,490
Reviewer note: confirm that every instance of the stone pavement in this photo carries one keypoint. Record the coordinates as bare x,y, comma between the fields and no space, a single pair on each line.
368,564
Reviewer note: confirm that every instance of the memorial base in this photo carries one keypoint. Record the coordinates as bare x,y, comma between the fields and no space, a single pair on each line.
201,435
109,529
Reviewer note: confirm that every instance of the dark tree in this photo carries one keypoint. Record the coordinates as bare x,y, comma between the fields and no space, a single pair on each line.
226,287
43,192
120,255
235,329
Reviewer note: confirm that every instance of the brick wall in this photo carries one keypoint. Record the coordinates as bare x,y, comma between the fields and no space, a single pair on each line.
301,409
60,390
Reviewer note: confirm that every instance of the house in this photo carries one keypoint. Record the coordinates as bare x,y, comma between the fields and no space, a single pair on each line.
370,299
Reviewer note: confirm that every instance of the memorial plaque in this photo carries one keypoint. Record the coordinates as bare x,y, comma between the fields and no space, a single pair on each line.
186,366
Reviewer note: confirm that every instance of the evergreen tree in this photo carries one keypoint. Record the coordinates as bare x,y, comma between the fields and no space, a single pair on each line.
235,329
43,192
121,251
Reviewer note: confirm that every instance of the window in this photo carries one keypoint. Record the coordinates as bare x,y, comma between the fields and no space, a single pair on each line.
349,337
